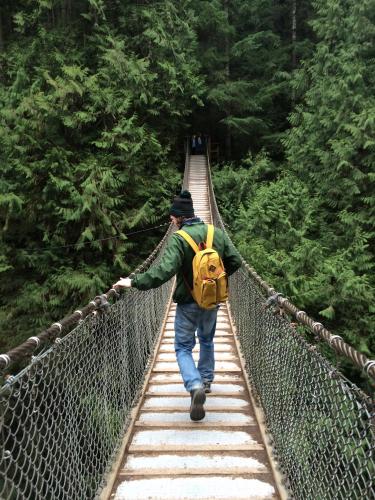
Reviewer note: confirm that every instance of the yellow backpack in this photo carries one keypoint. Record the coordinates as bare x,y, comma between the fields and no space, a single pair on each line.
210,281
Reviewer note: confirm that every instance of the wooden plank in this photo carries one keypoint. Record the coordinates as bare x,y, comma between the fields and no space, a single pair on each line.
195,447
193,425
124,473
186,394
176,370
219,348
216,388
223,408
217,340
173,378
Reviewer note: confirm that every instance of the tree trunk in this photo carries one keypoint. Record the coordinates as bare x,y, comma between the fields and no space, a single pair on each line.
66,11
228,133
294,43
294,33
1,33
69,10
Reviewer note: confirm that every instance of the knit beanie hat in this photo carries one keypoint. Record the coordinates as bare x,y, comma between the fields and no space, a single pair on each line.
182,205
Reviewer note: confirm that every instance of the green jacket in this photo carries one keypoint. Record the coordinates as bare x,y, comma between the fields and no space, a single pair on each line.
178,257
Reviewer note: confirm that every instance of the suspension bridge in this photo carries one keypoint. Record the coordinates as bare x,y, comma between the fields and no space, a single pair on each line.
101,412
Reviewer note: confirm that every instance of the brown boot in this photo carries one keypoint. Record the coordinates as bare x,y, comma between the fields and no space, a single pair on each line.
198,398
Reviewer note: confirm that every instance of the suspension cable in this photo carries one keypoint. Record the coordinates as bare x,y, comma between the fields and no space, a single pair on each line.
98,304
72,245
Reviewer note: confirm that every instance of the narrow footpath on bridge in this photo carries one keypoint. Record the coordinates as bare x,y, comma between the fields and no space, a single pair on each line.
166,455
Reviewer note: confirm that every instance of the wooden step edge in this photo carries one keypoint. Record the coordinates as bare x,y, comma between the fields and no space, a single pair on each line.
218,359
170,355
224,326
228,352
224,335
172,409
176,370
187,394
169,341
223,318
222,332
167,381
124,473
196,447
194,425
233,360
236,362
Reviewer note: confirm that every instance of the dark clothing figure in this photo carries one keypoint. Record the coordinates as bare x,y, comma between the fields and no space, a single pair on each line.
200,144
193,144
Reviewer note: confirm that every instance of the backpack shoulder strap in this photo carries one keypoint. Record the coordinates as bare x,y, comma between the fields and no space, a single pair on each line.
210,235
189,239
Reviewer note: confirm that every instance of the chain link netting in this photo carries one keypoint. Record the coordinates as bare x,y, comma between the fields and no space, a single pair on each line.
321,425
63,417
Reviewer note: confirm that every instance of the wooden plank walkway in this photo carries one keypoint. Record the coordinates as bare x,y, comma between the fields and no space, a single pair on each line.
168,456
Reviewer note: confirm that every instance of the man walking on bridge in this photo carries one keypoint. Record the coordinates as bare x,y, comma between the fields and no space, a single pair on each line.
190,317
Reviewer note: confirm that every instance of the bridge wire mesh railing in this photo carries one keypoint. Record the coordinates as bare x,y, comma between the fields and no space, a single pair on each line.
321,425
63,417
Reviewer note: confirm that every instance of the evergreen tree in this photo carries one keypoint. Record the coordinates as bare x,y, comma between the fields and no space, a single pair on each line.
247,51
331,149
92,100
308,225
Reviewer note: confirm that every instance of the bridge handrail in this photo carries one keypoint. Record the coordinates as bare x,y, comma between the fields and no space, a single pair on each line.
334,341
96,305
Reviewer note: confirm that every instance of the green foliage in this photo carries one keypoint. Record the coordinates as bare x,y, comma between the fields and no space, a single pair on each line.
330,150
307,226
91,106
246,53
275,223
94,96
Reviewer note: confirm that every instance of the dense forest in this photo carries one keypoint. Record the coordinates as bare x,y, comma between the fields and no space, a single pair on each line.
96,97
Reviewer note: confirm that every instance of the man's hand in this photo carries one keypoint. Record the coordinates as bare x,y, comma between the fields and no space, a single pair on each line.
124,282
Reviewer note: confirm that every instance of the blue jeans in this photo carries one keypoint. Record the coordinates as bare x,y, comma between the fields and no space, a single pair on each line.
191,318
